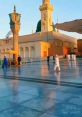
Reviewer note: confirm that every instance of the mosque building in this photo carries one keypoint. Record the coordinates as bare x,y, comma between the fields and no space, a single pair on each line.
46,41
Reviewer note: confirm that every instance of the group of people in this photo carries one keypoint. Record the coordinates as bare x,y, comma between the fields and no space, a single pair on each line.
6,62
71,57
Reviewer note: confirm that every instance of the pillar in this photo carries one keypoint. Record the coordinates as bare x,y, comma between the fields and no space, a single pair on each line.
15,27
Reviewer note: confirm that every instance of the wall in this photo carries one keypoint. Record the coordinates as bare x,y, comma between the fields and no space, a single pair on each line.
79,46
44,49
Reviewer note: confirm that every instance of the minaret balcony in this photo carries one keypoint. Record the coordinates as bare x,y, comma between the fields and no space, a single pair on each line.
46,7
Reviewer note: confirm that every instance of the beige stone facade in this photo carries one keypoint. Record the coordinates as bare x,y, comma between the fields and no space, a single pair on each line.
79,46
39,45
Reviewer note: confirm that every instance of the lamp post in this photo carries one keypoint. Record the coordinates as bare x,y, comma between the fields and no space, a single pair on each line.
15,27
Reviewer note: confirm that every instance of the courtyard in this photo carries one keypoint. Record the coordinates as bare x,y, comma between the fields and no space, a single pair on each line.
35,90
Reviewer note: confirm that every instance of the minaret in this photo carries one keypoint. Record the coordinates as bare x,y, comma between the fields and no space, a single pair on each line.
15,27
46,16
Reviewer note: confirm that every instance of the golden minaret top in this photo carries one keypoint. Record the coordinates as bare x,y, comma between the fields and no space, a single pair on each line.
46,1
14,9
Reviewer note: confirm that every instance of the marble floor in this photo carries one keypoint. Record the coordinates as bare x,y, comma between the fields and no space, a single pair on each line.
47,94
26,99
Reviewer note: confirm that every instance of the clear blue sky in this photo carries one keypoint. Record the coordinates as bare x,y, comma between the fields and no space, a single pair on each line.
65,10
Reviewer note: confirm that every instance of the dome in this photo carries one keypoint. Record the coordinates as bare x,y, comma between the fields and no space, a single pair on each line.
38,29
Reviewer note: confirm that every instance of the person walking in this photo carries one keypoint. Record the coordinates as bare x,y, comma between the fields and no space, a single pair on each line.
5,63
68,57
19,60
48,59
57,65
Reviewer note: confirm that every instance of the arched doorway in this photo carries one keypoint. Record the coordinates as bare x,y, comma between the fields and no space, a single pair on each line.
26,52
32,52
66,51
21,52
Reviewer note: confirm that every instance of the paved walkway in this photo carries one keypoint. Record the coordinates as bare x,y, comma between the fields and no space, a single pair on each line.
49,94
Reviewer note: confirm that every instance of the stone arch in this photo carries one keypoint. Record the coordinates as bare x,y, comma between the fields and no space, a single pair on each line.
26,52
22,52
32,52
66,51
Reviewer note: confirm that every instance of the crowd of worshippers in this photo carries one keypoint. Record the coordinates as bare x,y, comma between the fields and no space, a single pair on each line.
70,57
6,61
